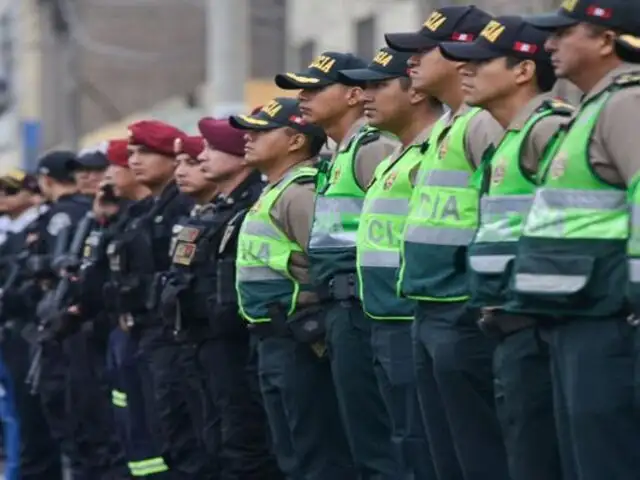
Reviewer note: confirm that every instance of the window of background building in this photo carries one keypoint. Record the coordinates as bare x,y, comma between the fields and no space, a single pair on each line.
306,53
268,37
365,38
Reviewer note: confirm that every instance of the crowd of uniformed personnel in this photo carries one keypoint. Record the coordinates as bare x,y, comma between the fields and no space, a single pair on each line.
452,294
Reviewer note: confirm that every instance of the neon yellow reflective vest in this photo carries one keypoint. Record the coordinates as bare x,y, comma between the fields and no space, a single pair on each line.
504,205
442,220
572,255
264,250
380,235
332,244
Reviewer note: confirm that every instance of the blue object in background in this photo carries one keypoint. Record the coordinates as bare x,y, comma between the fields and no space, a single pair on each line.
31,135
10,425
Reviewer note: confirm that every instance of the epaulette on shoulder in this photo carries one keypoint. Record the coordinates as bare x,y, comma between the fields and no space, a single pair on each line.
559,106
305,179
628,79
369,136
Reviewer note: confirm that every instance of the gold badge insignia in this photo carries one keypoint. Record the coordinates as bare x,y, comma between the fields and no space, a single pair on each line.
499,170
444,147
336,175
184,253
177,146
558,165
389,181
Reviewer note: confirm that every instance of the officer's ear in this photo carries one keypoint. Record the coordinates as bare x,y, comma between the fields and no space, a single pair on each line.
354,96
297,141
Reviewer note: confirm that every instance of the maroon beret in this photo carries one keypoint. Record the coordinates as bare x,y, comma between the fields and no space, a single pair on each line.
191,146
157,136
117,153
222,136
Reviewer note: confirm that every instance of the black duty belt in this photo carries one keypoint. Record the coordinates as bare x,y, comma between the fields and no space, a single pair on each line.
341,287
501,323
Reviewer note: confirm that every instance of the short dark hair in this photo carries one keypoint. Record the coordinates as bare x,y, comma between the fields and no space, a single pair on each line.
314,142
545,76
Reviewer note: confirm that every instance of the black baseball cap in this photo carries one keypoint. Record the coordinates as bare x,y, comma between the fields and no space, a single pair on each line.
322,72
278,113
506,35
89,161
446,24
387,64
56,165
616,14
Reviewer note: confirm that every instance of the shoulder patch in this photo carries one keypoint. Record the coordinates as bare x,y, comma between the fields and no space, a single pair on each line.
369,137
627,79
305,180
58,222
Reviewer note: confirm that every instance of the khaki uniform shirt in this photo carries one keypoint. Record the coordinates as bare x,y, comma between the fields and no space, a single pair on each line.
368,156
293,214
539,136
615,143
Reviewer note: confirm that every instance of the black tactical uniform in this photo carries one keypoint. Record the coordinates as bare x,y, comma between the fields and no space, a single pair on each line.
199,302
143,257
39,454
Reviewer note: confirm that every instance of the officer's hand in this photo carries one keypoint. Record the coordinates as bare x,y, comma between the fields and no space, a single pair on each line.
124,322
74,310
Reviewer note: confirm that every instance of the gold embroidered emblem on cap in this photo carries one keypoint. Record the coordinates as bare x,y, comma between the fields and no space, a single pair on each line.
301,79
492,31
272,108
569,5
382,58
323,63
435,21
253,121
177,145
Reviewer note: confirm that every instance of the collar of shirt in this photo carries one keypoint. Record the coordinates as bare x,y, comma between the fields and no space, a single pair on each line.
609,78
420,139
357,125
464,109
305,163
23,220
517,122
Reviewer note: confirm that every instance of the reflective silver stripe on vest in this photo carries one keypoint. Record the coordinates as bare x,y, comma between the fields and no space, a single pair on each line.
388,206
505,204
536,283
634,270
583,199
258,274
380,259
440,235
261,229
446,178
342,205
489,263
635,216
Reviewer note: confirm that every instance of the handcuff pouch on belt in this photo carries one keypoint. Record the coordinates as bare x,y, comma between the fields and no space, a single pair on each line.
342,288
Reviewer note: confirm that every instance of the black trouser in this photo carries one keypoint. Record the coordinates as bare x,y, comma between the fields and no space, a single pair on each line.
39,454
98,450
178,400
233,388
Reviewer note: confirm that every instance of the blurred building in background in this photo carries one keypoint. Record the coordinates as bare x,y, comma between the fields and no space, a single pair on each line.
76,72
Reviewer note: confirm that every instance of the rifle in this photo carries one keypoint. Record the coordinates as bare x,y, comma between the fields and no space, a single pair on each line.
52,308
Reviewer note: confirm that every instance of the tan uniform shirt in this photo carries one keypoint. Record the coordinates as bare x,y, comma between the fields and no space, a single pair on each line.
539,136
293,214
368,156
482,131
615,143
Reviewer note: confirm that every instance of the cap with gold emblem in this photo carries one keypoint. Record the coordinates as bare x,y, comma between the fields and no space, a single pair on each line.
387,64
447,24
615,14
322,72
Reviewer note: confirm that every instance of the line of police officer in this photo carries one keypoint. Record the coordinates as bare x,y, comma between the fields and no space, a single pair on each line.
447,297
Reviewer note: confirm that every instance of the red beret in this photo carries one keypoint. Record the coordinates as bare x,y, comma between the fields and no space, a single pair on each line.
192,146
117,153
155,135
222,136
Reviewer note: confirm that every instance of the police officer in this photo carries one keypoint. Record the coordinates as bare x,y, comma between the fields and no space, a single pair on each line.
510,74
338,108
392,105
146,246
453,357
571,261
128,402
88,170
31,453
68,208
276,297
